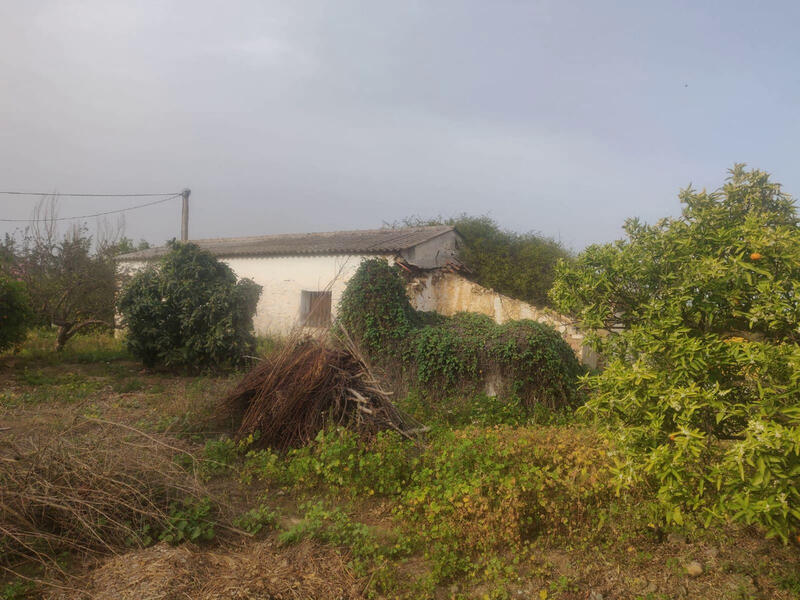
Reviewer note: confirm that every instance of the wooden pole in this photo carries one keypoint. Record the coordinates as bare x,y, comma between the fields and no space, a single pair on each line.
185,215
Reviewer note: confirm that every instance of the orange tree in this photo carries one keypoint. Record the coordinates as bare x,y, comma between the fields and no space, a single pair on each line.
698,318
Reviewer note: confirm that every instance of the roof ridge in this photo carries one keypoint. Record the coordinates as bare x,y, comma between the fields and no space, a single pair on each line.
357,241
399,230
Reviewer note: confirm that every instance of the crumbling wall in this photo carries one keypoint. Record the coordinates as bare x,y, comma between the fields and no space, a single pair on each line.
449,293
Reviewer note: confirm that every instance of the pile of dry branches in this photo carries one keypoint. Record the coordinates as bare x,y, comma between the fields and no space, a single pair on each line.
93,489
290,396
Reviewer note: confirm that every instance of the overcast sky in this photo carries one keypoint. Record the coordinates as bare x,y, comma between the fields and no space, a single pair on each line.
553,116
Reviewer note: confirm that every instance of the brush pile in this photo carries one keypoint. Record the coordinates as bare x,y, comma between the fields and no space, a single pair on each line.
290,396
88,491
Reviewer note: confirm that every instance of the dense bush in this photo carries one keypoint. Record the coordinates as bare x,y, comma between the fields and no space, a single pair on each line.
525,359
703,357
520,265
374,308
15,313
531,359
189,311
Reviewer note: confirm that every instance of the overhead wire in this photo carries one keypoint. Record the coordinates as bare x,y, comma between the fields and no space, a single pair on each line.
87,195
99,214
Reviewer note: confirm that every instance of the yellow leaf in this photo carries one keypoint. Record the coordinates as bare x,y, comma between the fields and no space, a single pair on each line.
543,594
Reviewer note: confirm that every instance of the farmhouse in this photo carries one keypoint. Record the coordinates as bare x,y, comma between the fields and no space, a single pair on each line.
303,275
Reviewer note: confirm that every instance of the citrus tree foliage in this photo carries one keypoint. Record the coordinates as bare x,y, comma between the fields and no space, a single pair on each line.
520,265
189,311
700,324
14,311
441,354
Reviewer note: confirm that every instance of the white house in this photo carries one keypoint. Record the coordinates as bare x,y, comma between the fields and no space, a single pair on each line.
303,275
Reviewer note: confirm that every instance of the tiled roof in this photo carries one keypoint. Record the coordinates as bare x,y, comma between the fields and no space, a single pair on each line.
365,241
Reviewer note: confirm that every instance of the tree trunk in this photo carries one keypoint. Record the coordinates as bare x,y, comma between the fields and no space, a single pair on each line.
67,330
63,336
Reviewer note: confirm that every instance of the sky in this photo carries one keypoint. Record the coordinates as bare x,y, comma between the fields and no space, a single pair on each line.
563,118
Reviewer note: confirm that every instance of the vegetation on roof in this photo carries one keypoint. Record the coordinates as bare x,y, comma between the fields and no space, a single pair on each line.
520,265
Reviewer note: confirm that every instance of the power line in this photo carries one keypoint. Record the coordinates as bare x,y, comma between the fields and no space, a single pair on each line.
100,214
87,195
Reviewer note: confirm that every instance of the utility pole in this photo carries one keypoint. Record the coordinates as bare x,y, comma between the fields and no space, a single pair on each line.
185,215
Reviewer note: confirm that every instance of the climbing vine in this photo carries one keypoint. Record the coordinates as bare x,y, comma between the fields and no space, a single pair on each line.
374,308
524,359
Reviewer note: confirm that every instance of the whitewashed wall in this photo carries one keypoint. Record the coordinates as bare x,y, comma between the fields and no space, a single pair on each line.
283,278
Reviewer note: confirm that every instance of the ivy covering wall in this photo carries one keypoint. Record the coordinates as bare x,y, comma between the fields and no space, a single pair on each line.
521,359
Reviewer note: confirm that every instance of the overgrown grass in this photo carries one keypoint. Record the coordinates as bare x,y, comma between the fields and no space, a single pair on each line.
90,348
477,507
268,344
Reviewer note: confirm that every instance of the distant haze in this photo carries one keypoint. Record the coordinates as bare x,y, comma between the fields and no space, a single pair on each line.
559,117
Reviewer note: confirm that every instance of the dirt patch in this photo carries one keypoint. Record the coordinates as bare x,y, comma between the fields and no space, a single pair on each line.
256,570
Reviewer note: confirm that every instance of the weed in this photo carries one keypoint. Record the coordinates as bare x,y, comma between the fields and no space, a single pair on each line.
466,409
339,459
479,492
95,347
66,388
334,526
35,378
562,585
262,465
266,345
219,456
468,497
16,590
257,519
189,521
789,582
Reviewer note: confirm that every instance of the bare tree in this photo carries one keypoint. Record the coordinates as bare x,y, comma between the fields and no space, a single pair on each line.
71,278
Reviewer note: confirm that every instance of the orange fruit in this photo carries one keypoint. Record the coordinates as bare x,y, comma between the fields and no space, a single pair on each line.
756,256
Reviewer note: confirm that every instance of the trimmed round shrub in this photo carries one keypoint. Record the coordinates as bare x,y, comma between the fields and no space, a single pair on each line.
15,312
189,311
